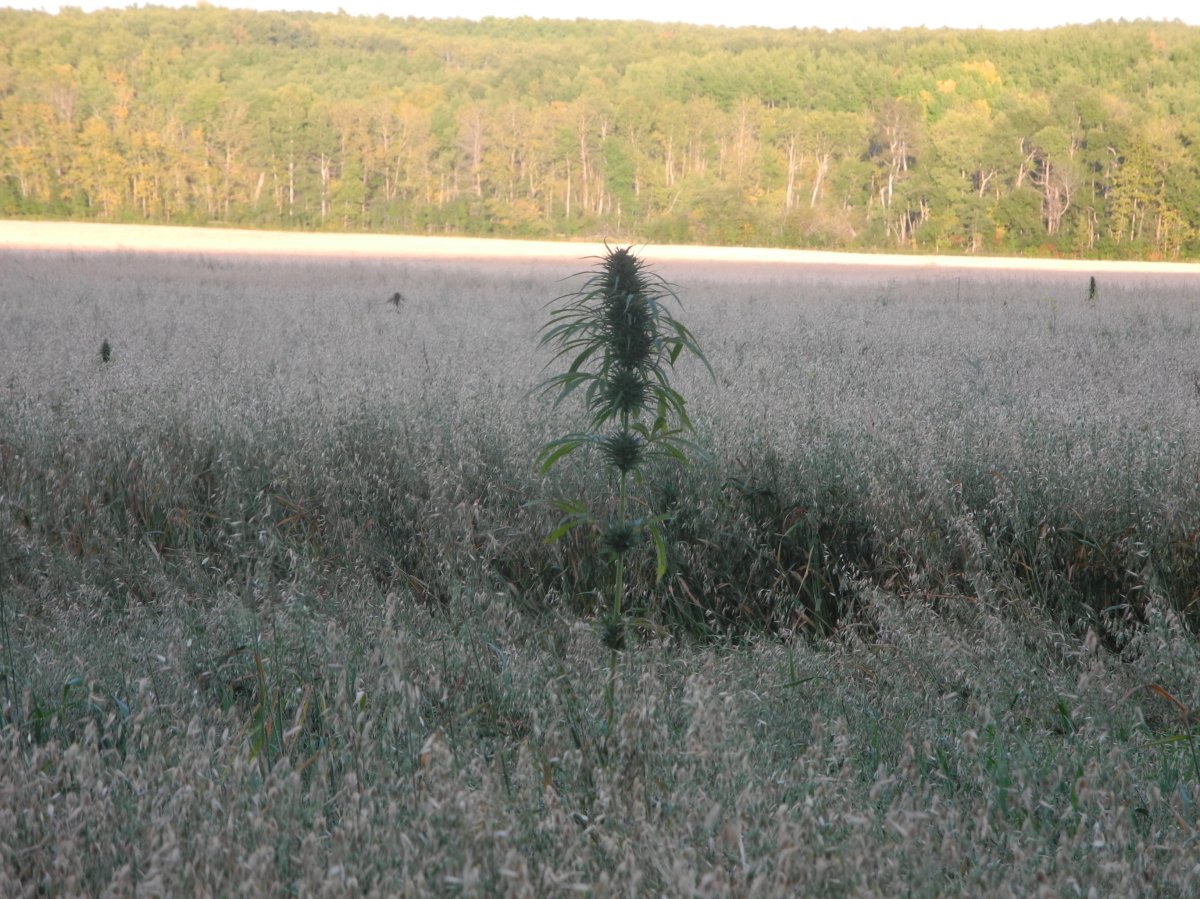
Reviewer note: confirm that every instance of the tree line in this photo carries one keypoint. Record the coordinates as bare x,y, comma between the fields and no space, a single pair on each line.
1081,140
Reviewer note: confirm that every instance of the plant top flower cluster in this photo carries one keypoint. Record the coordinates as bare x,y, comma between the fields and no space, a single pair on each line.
621,341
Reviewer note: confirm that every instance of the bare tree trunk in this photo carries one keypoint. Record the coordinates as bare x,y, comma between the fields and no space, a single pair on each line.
789,193
1056,189
226,186
823,160
292,182
326,178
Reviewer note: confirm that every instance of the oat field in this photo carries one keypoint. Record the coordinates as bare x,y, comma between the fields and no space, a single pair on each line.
277,614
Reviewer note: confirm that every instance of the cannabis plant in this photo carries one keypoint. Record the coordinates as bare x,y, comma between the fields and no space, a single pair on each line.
619,342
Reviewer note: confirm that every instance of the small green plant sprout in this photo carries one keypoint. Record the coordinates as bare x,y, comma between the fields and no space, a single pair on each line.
1188,728
619,342
105,351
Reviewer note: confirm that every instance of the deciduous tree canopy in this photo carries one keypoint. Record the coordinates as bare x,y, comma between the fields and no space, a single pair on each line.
1081,140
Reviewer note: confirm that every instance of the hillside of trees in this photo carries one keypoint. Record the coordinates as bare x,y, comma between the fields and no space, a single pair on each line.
1075,141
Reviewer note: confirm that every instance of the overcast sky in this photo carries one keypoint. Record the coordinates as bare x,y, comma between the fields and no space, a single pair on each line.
771,13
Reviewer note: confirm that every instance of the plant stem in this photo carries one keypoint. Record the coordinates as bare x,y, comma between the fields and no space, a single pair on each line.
619,580
618,594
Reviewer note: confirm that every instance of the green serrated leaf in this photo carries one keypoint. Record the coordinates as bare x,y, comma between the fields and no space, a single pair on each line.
564,527
570,506
563,448
660,552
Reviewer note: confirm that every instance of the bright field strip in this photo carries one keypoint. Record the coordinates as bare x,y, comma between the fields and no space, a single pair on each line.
34,235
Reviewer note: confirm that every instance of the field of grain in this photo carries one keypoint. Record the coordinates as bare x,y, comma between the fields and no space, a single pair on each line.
277,614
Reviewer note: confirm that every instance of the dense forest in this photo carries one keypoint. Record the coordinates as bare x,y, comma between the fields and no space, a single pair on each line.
1080,141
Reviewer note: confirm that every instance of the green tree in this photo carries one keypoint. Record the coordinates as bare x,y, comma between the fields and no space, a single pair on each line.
97,171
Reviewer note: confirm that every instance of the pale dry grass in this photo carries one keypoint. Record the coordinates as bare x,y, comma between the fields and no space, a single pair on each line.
456,752
251,713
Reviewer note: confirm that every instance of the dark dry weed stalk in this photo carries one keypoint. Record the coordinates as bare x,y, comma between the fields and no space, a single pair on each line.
9,670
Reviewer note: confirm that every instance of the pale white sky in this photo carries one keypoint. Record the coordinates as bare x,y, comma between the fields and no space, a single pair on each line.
771,13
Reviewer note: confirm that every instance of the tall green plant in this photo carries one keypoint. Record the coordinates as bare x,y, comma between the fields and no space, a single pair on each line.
619,342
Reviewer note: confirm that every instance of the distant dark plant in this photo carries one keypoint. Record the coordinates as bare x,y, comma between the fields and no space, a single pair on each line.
105,351
1092,287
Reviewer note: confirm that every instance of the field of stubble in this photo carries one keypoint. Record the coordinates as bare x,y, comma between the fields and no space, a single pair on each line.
277,615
